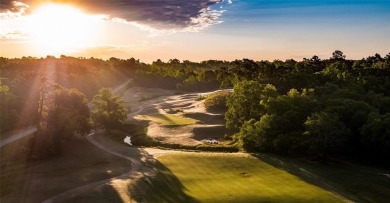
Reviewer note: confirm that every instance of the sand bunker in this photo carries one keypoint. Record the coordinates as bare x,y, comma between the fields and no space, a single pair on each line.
208,125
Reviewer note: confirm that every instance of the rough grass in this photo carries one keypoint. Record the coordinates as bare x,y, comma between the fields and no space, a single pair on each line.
14,165
216,132
353,181
229,178
80,163
167,119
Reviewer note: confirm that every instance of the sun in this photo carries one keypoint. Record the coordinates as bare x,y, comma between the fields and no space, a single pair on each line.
59,29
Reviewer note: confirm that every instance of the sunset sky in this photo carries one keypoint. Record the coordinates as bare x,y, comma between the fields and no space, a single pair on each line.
194,29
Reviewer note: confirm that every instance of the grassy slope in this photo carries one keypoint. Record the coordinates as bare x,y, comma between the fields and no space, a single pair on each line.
80,164
167,119
356,182
229,178
14,165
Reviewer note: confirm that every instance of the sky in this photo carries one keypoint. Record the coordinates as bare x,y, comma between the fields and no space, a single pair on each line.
194,30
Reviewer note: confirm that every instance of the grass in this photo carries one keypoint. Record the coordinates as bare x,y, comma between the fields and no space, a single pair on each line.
200,97
229,178
5,135
128,188
167,119
14,165
81,163
356,182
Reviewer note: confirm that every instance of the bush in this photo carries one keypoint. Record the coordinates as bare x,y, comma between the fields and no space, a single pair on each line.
200,97
216,100
202,147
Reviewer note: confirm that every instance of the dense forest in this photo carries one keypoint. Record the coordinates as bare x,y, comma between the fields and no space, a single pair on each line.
320,108
316,107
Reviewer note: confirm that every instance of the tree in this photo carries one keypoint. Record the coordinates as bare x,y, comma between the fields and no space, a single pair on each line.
338,55
8,115
108,109
376,137
281,125
68,114
243,104
326,134
67,117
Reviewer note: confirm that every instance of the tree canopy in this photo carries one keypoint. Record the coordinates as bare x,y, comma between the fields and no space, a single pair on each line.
108,109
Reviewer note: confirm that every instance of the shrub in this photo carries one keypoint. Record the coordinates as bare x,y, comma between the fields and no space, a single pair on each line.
216,100
200,97
202,147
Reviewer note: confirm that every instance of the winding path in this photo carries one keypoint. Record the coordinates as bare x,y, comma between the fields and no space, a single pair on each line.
19,135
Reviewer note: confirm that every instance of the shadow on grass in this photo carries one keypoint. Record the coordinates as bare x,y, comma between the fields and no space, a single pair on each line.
99,195
354,182
166,187
162,186
216,132
216,110
14,163
206,118
150,182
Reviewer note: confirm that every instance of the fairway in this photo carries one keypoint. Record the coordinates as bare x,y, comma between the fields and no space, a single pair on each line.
228,178
167,119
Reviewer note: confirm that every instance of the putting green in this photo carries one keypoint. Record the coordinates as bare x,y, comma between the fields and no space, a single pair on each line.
167,119
228,178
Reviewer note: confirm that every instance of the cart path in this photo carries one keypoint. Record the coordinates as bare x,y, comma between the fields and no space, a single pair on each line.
19,135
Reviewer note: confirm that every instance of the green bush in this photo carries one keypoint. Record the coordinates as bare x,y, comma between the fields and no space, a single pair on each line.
216,100
202,147
200,97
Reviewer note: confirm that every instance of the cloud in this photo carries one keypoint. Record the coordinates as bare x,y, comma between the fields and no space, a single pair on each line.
187,15
12,9
12,34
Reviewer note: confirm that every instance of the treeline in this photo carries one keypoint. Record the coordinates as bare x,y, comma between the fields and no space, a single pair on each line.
185,75
22,79
315,107
318,108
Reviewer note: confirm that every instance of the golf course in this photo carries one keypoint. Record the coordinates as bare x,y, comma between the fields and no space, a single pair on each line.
166,175
194,101
229,178
123,173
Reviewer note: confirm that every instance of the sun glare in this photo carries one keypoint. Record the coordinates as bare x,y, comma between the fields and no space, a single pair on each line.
59,29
